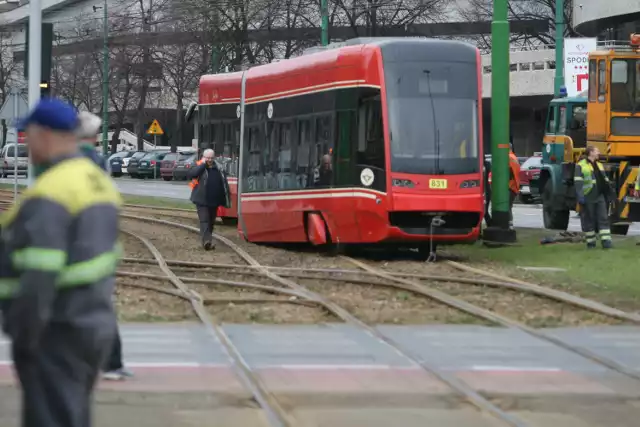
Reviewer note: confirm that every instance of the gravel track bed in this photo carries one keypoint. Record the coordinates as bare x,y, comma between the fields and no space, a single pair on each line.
370,303
179,244
524,307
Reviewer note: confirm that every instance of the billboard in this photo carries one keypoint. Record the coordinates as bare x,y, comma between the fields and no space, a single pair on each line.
576,64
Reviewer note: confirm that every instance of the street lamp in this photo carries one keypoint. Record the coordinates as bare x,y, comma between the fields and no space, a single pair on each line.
105,77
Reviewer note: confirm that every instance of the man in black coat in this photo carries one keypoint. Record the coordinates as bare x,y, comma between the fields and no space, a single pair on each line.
209,190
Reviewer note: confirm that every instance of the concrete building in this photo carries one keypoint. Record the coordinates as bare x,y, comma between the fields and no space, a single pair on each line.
607,20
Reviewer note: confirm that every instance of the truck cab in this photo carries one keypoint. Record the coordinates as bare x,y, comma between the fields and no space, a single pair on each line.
564,140
606,116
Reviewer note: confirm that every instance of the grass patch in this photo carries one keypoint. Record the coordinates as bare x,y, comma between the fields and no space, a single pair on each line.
163,202
607,276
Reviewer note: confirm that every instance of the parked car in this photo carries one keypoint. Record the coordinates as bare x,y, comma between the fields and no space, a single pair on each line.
115,162
125,161
8,159
134,162
528,170
169,163
183,165
149,165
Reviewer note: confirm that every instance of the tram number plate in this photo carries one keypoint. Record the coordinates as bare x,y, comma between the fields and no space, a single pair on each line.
438,184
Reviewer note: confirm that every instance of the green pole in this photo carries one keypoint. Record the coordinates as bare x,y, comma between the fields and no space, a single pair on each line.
324,11
105,82
214,60
559,78
500,119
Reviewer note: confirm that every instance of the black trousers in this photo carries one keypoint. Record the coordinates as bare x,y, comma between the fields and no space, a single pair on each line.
594,219
114,361
207,216
58,380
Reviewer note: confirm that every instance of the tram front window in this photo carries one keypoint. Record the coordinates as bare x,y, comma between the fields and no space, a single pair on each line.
433,117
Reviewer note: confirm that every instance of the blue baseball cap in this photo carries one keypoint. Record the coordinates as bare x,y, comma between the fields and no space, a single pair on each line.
53,114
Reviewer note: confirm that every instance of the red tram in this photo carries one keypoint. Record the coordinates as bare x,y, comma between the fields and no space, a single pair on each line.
365,143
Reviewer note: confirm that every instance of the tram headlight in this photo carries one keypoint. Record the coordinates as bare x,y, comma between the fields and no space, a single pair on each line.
402,183
470,183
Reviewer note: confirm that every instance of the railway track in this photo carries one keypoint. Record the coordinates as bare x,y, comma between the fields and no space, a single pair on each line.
240,262
372,276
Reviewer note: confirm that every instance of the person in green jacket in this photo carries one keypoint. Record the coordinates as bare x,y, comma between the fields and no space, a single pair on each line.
58,257
593,190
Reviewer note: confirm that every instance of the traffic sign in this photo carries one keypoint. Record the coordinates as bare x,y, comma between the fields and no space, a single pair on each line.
155,128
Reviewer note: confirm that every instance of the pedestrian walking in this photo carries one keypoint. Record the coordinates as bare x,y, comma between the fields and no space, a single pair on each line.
209,190
593,191
88,128
58,260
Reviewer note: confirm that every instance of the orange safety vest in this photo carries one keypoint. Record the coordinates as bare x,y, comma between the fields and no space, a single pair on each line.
514,179
194,182
514,167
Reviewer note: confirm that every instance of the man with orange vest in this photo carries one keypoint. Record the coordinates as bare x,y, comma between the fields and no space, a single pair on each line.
514,182
209,191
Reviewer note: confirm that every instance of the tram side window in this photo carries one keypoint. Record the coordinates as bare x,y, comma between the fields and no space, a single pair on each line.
219,134
370,133
593,81
323,173
271,156
235,151
285,180
303,153
253,180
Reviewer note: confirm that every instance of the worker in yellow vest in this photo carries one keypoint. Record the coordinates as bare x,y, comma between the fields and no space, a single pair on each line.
593,190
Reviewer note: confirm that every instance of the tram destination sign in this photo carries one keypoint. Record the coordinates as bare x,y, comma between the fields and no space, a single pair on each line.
576,64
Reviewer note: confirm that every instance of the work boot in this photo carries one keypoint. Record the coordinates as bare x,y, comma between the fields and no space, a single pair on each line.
606,244
208,245
591,245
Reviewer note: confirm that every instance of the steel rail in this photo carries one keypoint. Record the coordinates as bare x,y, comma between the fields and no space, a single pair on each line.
499,319
456,384
276,416
503,282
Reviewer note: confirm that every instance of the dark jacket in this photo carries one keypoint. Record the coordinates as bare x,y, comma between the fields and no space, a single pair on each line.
199,194
56,266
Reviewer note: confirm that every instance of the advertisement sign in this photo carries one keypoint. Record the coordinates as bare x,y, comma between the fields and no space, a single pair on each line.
576,64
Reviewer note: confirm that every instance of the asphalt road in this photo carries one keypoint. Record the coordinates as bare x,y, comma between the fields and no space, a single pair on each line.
527,216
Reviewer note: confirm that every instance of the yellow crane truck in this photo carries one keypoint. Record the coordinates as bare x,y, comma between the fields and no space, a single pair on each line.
606,116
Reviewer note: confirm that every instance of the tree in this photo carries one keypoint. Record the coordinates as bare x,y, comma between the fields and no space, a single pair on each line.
75,77
8,67
182,67
521,10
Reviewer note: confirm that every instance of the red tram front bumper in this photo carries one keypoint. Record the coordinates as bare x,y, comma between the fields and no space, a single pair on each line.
411,219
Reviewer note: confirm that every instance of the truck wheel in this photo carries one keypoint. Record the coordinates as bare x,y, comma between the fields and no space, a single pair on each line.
620,229
553,218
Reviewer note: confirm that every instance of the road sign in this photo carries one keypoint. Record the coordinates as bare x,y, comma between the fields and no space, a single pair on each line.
8,112
155,128
576,64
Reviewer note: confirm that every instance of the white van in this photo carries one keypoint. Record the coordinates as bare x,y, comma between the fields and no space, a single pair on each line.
8,158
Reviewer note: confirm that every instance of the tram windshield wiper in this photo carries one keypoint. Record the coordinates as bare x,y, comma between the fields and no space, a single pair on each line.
436,130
